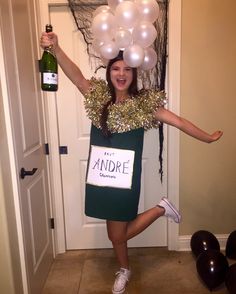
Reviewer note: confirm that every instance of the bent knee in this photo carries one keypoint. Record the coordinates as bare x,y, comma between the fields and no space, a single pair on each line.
117,238
117,231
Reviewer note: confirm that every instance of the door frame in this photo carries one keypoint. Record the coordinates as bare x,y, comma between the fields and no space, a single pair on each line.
173,137
12,209
173,90
11,183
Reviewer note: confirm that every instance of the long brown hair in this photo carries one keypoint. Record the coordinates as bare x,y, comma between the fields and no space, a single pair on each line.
133,90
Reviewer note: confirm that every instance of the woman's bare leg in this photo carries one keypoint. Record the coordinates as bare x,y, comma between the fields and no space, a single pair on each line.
143,220
120,232
117,232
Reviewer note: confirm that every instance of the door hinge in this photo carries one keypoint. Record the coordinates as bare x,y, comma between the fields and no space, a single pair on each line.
52,225
46,148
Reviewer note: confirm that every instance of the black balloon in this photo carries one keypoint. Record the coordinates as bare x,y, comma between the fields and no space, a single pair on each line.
202,241
230,279
212,267
230,249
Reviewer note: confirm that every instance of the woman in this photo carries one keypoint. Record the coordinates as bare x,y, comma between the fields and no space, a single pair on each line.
120,114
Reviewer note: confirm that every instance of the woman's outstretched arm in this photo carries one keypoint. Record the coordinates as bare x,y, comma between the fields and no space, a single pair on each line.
168,117
71,70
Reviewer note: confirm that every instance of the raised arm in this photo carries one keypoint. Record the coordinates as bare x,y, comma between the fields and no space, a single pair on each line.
168,117
71,70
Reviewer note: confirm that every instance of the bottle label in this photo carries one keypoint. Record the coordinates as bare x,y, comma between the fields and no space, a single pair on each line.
111,167
50,78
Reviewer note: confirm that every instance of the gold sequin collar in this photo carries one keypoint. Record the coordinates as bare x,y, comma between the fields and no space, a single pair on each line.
132,113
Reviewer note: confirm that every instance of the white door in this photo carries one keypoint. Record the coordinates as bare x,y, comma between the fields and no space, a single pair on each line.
20,53
74,127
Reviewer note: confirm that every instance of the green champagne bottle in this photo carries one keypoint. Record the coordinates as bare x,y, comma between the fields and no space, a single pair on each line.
49,68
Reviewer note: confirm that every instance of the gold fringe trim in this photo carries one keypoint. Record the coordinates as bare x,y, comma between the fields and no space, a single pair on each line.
136,112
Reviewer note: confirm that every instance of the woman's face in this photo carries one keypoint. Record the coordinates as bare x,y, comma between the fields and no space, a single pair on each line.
121,76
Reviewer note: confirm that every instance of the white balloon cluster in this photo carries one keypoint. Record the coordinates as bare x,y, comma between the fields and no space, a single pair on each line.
126,25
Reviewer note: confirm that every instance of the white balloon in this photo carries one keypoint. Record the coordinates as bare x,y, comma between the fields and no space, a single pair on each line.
134,55
150,59
103,26
109,50
123,38
96,44
127,14
144,34
149,9
113,3
101,9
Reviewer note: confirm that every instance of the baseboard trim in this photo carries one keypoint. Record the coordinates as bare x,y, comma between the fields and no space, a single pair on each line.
184,241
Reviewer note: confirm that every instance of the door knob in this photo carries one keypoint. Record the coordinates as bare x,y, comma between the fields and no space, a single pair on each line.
24,173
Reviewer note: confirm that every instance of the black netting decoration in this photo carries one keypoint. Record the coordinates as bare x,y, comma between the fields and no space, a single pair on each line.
82,11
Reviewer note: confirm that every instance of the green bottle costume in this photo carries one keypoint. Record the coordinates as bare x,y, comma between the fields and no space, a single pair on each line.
111,198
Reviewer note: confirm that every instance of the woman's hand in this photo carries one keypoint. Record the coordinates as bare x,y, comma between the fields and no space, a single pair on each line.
168,117
71,70
215,136
49,40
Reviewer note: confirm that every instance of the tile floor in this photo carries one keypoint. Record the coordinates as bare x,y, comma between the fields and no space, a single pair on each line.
154,271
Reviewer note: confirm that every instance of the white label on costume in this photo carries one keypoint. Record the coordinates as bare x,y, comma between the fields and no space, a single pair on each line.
111,167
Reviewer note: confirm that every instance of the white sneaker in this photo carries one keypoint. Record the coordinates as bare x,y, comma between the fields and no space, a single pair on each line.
122,277
170,210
